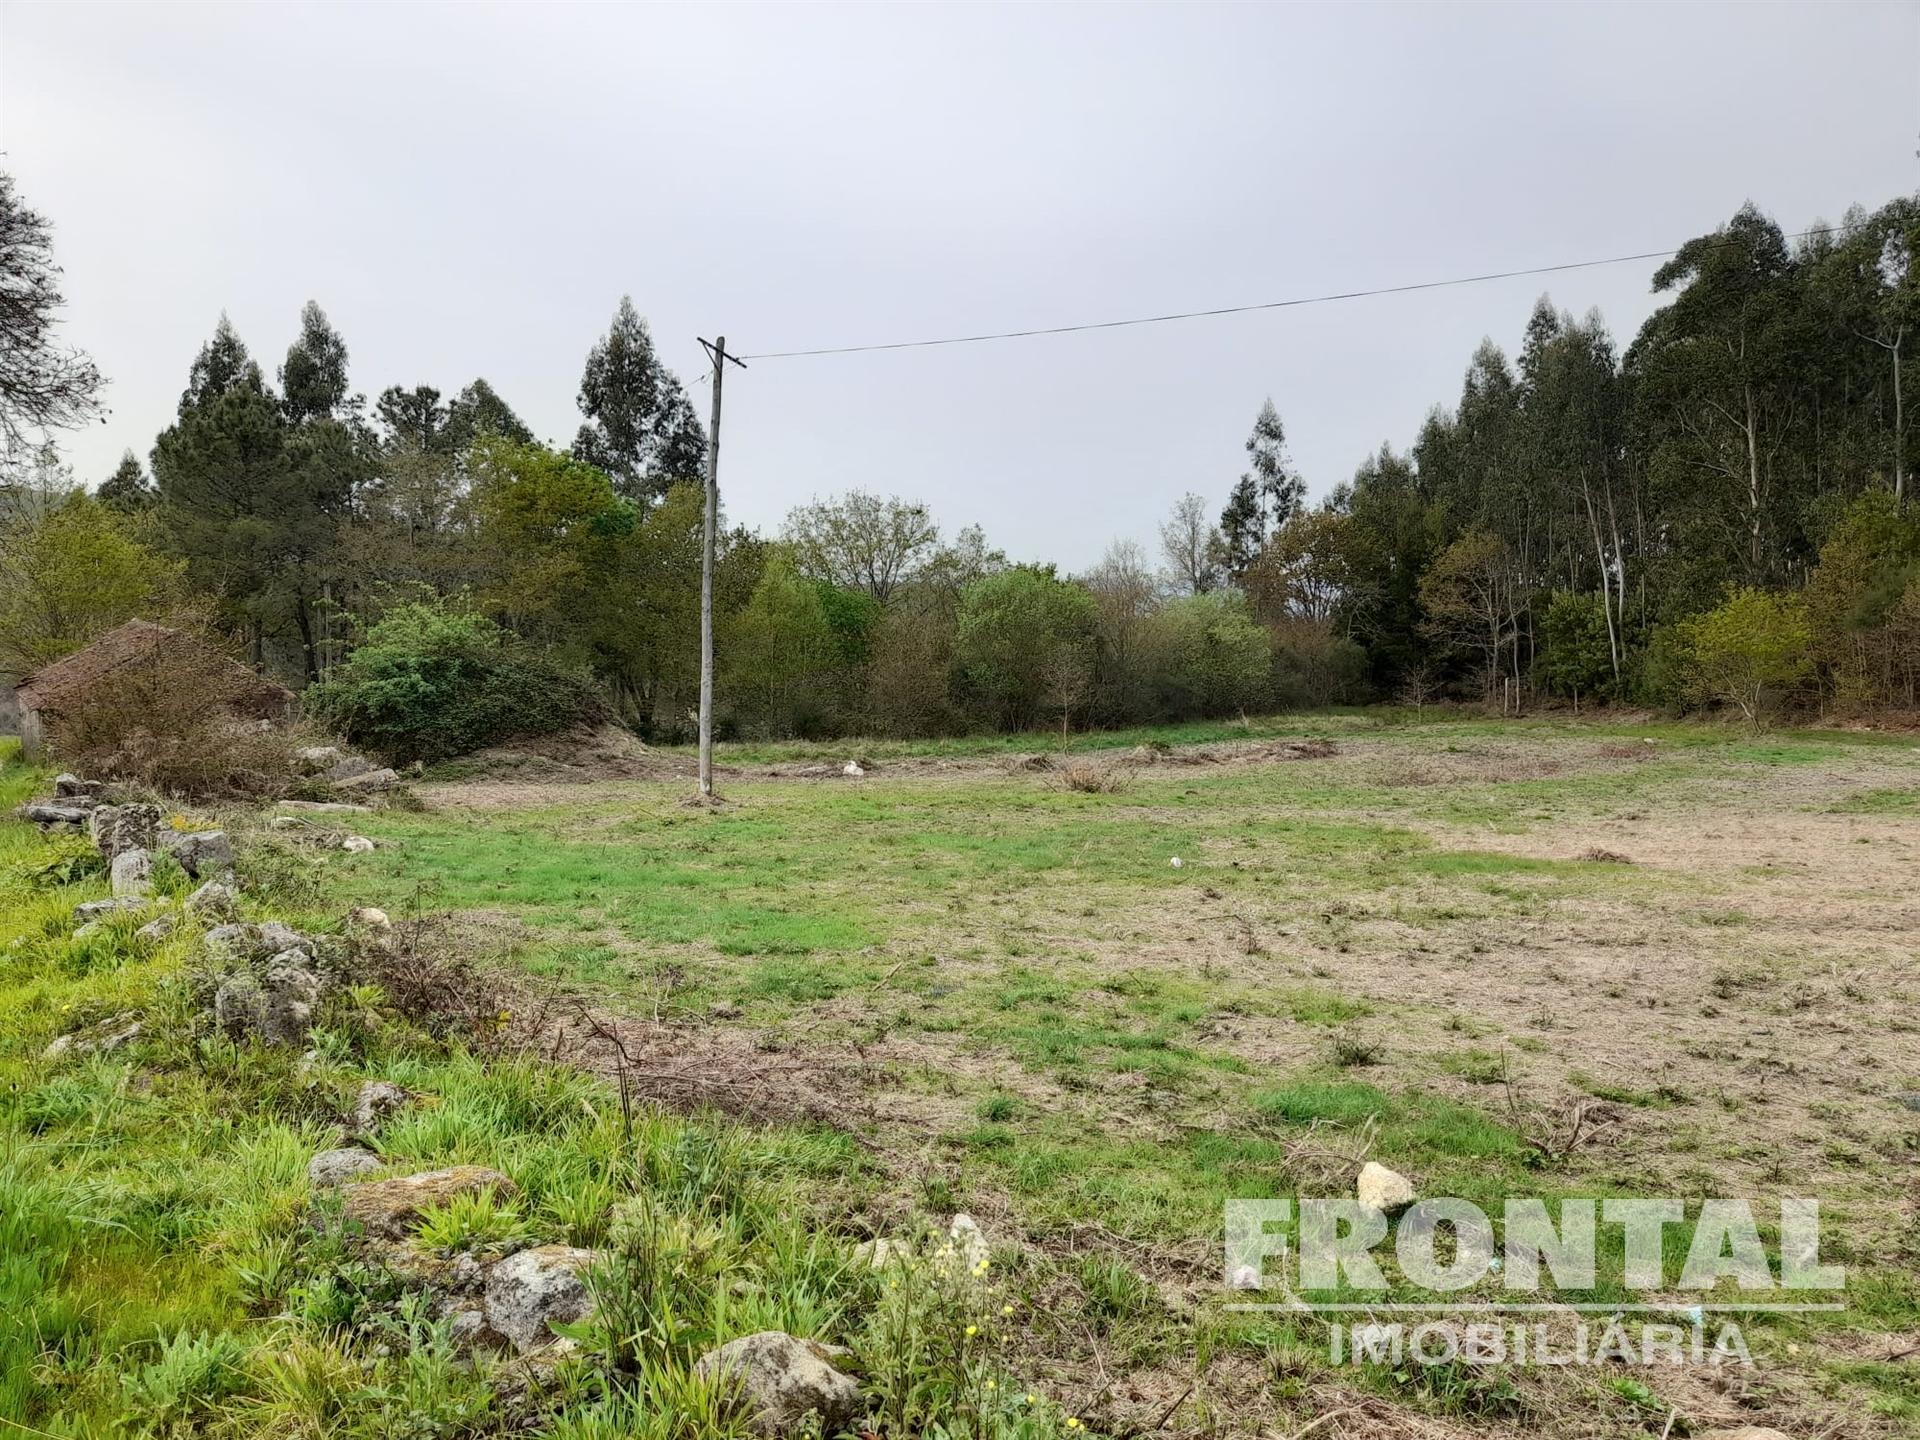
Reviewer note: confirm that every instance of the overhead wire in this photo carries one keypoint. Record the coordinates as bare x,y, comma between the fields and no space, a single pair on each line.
1220,310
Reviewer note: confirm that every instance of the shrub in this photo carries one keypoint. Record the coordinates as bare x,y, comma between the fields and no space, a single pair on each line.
1208,656
169,724
432,682
1018,631
1576,657
1755,643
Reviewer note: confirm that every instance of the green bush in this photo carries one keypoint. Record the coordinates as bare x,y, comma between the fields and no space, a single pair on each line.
1755,645
1576,656
431,682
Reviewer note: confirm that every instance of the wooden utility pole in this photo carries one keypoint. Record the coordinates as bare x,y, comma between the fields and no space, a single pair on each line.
717,351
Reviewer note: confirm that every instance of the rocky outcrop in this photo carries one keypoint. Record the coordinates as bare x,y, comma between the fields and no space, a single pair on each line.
782,1380
530,1291
391,1209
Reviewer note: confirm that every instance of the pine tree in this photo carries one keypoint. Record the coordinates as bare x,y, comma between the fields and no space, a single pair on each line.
640,427
313,378
251,504
126,490
412,418
476,411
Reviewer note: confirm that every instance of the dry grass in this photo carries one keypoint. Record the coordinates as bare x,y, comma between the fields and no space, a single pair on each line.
168,725
1091,777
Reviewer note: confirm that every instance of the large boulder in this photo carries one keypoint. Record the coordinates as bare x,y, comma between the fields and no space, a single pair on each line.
332,1168
116,828
132,872
783,1380
391,1209
530,1290
203,854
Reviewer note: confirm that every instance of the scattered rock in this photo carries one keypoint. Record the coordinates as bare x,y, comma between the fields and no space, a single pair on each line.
470,1330
274,1011
852,768
56,817
74,790
132,872
529,1290
313,759
377,1100
325,807
116,828
332,1168
356,844
158,929
969,1241
370,781
275,937
390,1209
214,900
349,767
1379,1188
103,1038
879,1253
783,1380
99,909
203,854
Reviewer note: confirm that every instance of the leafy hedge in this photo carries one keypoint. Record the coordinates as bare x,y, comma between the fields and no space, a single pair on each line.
430,683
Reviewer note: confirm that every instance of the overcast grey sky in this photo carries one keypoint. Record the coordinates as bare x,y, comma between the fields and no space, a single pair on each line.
467,190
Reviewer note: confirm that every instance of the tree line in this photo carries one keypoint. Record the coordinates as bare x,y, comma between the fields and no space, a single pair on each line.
1720,513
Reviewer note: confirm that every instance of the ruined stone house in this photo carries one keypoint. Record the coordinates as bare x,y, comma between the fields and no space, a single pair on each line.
141,643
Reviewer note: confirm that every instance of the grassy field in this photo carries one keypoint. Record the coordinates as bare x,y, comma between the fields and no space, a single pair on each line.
1000,994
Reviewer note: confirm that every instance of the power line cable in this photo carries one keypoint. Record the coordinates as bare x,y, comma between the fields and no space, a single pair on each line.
1242,309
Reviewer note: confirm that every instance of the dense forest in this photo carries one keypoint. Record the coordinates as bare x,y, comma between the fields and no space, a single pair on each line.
1716,515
